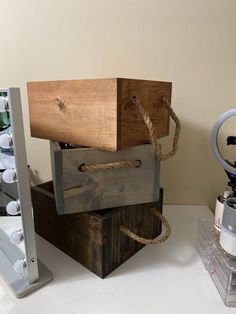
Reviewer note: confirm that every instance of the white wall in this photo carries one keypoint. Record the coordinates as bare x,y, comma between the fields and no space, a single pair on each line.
191,43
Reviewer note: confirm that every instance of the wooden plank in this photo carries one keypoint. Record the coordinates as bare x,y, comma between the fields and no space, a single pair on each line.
98,112
88,117
78,191
78,235
57,163
94,238
133,131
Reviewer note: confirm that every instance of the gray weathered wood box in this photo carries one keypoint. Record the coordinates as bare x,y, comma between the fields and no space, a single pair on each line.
77,191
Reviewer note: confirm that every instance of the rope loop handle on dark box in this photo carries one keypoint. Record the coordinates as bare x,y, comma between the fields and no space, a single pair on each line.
145,241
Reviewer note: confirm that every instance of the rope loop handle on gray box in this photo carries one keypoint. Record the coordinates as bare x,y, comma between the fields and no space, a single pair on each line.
145,241
110,165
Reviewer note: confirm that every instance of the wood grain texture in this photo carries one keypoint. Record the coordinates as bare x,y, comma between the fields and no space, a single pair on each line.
88,117
94,238
78,191
133,131
98,112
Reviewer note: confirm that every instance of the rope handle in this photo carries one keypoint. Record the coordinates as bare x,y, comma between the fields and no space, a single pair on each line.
151,128
110,165
145,241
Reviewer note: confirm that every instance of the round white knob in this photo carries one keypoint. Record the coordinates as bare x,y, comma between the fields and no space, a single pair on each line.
16,237
13,207
19,266
5,140
3,104
9,176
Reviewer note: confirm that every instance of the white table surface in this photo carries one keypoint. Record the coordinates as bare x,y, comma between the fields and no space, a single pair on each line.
163,279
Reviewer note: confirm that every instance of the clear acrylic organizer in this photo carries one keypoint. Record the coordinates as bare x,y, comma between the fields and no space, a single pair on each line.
220,265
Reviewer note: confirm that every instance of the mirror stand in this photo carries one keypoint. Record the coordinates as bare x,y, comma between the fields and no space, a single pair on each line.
19,285
19,265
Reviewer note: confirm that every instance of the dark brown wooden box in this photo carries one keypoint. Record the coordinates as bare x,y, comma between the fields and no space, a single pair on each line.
94,238
97,112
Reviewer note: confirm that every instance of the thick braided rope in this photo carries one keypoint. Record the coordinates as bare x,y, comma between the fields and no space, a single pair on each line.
161,156
137,163
153,138
151,128
111,165
144,241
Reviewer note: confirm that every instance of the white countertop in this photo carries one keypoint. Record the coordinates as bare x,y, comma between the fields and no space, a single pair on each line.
163,279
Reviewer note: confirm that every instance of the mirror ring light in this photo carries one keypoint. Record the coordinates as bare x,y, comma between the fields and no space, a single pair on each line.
214,136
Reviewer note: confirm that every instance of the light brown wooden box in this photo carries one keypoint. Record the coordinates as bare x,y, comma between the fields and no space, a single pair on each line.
97,112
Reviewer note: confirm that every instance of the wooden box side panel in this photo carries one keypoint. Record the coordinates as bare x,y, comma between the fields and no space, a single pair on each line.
57,174
118,247
79,236
86,191
132,129
87,114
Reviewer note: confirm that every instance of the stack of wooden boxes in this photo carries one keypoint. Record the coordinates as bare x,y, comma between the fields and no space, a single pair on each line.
107,177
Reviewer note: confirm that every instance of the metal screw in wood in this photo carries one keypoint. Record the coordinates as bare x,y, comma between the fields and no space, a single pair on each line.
60,103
